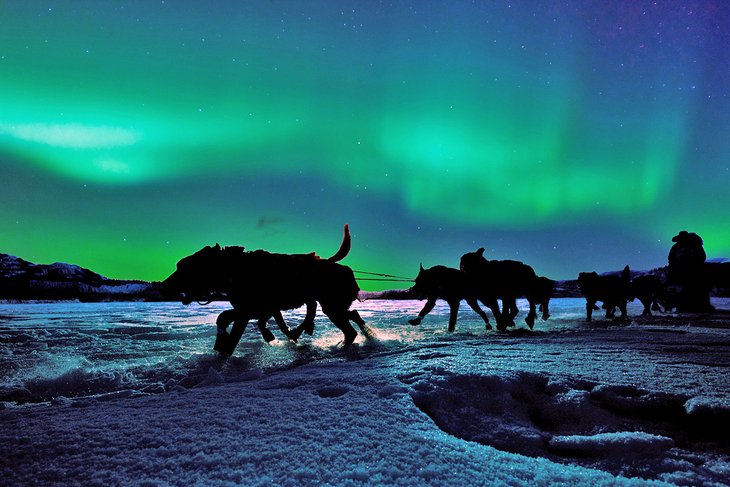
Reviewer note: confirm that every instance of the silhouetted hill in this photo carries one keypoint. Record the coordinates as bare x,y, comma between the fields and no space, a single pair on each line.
23,280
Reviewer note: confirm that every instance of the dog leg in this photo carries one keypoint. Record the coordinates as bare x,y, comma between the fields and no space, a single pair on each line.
505,308
453,314
610,310
221,344
532,315
239,326
308,323
474,304
509,308
426,310
503,321
647,307
296,333
513,311
341,321
306,326
355,317
589,309
283,327
225,318
222,338
265,332
545,309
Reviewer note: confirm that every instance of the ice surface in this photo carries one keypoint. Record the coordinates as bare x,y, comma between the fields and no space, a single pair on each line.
622,444
131,393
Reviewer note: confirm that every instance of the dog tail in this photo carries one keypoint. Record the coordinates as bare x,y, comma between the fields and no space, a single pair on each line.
344,246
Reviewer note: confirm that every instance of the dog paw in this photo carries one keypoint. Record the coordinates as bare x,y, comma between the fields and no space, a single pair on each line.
295,334
415,321
268,336
349,338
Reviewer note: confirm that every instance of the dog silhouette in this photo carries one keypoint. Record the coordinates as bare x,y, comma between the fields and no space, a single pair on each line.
260,284
612,290
506,280
451,285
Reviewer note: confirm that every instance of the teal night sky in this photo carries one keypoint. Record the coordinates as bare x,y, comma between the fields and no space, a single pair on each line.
572,135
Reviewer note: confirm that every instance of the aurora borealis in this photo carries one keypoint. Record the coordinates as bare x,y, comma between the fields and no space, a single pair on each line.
572,135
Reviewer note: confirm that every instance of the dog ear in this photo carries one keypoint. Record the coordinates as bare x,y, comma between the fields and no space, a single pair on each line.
420,265
480,252
217,247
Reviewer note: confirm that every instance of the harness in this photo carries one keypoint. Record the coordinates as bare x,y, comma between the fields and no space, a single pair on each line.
381,277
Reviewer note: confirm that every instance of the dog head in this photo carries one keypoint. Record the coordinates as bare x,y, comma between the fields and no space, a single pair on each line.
423,283
587,281
472,260
197,276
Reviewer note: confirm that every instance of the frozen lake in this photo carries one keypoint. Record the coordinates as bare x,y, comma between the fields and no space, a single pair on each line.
71,350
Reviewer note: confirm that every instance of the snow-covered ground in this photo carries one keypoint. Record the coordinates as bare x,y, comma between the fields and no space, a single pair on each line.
131,393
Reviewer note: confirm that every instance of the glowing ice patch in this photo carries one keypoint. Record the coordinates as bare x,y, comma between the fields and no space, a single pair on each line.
72,136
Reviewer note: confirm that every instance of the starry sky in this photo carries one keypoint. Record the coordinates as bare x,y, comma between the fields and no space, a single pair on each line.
572,135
